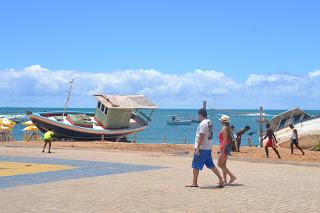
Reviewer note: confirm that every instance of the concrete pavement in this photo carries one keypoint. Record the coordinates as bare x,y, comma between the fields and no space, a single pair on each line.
158,186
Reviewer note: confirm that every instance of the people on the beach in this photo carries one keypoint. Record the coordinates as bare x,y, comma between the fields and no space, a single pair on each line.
203,144
225,136
272,141
239,135
48,137
294,139
234,145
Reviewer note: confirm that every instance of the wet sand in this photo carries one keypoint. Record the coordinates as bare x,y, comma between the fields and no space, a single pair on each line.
255,154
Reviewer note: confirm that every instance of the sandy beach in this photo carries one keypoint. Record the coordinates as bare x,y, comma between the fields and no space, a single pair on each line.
255,154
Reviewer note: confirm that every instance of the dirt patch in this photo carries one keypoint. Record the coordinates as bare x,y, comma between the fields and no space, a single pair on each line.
252,153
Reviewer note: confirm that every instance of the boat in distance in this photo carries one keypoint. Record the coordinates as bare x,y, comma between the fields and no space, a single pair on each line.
178,120
115,117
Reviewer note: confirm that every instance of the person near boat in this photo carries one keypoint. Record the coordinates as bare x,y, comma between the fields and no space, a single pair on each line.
239,136
225,137
294,139
272,141
48,138
203,154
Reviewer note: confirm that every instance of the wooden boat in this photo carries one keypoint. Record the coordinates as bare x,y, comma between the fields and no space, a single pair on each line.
115,117
308,128
178,120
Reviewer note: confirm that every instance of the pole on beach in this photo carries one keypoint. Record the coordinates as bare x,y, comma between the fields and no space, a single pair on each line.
261,127
204,104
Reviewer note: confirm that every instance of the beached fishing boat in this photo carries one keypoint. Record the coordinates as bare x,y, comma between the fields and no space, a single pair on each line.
178,120
115,117
308,128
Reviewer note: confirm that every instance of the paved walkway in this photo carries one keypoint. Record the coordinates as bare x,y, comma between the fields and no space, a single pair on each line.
151,182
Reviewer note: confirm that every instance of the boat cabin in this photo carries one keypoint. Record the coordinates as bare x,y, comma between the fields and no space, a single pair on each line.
116,111
289,117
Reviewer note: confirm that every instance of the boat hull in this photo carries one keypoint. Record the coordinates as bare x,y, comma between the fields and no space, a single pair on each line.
75,133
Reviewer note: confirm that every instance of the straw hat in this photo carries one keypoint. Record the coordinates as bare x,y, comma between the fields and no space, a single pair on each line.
224,118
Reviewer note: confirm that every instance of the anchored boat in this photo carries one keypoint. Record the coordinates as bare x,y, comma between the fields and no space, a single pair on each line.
115,117
308,128
178,120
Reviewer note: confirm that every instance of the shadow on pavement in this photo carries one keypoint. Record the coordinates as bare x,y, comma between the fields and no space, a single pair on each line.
215,187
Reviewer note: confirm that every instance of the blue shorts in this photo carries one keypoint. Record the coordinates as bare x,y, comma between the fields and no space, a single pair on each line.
204,158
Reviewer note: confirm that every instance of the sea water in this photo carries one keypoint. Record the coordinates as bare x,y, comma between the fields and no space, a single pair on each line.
160,132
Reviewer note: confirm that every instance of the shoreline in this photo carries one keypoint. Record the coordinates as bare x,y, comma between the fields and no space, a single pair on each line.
251,154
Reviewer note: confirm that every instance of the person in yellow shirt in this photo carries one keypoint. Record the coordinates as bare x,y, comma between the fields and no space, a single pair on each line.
48,137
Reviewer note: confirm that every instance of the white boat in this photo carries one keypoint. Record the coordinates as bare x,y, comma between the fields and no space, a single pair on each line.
308,128
178,120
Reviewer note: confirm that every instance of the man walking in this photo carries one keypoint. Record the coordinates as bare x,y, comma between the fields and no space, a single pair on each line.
202,154
272,140
294,139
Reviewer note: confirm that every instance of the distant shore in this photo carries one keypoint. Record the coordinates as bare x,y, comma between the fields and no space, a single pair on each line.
254,154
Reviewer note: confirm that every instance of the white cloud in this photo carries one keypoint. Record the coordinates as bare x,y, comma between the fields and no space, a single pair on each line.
314,74
35,80
189,87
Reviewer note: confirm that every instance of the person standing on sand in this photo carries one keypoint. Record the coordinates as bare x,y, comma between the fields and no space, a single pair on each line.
239,135
294,139
225,137
272,140
48,137
202,154
234,145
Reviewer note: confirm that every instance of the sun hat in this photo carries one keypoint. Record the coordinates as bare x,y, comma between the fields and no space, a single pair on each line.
224,118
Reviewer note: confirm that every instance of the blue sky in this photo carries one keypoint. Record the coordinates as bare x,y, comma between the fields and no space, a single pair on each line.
276,42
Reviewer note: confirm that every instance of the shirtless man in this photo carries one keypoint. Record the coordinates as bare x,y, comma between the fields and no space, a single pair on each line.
272,140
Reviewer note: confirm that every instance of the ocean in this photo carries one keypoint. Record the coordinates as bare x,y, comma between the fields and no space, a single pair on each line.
158,130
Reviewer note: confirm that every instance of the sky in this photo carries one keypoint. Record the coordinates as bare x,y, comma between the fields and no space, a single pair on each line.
242,54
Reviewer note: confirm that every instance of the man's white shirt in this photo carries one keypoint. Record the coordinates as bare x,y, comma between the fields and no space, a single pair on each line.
205,127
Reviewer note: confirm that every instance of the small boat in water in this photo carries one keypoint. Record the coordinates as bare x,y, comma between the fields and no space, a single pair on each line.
308,128
115,117
178,120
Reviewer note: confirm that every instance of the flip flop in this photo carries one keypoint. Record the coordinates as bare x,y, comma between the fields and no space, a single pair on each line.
192,186
223,184
220,186
232,181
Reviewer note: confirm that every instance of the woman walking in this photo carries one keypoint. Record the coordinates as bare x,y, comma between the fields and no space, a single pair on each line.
225,136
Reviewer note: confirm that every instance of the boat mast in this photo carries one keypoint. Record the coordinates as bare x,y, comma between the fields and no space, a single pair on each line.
68,97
